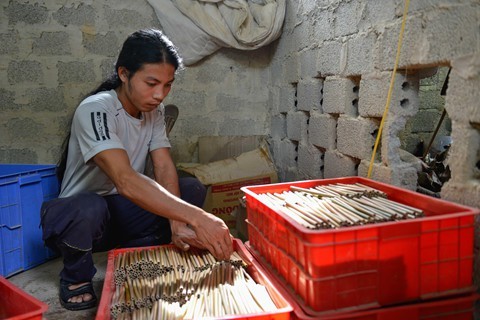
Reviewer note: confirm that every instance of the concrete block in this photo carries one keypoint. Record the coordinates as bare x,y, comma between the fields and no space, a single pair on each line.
184,98
463,192
340,95
361,51
339,165
277,71
445,33
52,44
355,136
322,130
285,153
24,71
107,67
309,94
216,73
310,162
76,72
297,125
308,63
231,104
379,172
347,16
119,18
23,129
290,19
374,92
278,127
390,143
289,174
449,30
7,100
78,15
292,72
9,41
402,175
47,99
463,91
198,126
323,25
18,155
301,36
238,127
105,45
388,40
425,121
374,13
330,58
27,13
464,154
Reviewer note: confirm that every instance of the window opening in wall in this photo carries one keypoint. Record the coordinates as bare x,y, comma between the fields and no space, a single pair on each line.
427,135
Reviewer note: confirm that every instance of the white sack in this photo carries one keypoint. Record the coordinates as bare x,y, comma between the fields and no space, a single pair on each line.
200,27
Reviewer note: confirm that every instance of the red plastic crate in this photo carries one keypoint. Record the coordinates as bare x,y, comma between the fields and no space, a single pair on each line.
254,269
16,304
456,308
397,261
319,295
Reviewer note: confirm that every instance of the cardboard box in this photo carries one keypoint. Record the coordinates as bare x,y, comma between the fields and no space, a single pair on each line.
215,148
224,179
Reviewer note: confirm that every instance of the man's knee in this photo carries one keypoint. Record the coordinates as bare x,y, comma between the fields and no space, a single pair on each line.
92,207
192,191
75,220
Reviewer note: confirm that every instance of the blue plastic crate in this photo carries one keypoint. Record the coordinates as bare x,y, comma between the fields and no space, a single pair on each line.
23,188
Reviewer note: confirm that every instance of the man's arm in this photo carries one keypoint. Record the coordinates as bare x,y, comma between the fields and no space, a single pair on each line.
164,170
166,175
151,196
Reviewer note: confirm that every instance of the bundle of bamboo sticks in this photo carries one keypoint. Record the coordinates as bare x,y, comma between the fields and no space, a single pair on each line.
167,283
338,205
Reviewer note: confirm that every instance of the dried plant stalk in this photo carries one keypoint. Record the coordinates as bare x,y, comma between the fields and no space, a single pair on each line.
166,283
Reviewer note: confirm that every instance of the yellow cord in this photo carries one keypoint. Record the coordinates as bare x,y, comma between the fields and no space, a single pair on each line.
389,96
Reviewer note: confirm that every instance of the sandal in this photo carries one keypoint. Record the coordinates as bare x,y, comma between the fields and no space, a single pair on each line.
66,294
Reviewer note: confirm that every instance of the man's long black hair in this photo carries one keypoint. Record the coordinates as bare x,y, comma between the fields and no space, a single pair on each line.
141,47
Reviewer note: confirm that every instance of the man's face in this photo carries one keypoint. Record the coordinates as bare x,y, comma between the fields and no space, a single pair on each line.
147,88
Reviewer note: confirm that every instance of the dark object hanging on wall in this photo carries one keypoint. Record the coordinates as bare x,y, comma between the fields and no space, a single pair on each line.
435,170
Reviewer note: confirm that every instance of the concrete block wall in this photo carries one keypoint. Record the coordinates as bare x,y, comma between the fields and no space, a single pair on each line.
353,47
53,53
354,44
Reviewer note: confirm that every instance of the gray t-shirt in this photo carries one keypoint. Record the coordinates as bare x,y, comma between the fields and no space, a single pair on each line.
101,123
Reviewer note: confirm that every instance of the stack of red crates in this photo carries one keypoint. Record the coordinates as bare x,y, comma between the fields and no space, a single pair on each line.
408,269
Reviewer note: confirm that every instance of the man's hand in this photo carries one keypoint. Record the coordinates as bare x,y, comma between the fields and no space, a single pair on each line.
215,236
183,236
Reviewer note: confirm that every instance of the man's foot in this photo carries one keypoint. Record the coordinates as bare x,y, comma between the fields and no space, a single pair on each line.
78,296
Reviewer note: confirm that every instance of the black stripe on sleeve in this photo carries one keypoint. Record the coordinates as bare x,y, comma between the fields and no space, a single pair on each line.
92,117
101,126
107,133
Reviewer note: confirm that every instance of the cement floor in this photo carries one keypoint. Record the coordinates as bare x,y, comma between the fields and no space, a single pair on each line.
42,282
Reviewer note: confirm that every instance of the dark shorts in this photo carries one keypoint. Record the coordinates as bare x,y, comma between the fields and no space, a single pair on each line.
84,223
